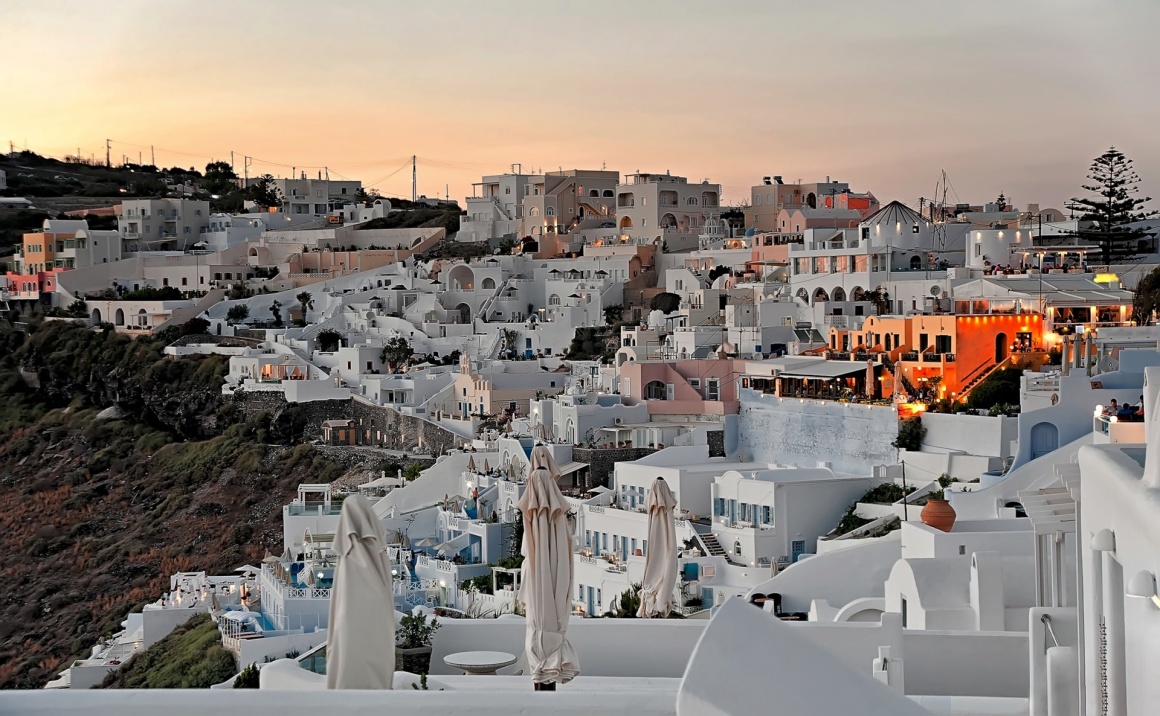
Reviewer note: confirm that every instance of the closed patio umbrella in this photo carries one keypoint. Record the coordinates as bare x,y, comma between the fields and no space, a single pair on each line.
360,650
546,591
660,563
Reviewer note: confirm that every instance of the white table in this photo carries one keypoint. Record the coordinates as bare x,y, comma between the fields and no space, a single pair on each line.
479,663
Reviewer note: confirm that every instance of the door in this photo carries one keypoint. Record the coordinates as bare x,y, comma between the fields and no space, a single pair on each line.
797,549
591,601
1044,439
706,597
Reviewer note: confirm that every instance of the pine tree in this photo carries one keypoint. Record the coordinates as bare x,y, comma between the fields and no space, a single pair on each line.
1107,216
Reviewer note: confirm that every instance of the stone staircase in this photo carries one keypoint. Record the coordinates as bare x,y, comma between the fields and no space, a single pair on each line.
710,545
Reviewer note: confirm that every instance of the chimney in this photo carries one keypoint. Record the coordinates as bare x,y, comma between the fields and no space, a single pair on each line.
765,180
777,180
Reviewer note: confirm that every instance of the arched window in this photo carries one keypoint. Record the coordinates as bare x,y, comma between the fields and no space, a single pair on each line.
691,201
489,283
737,548
550,211
534,211
554,299
594,192
654,390
607,193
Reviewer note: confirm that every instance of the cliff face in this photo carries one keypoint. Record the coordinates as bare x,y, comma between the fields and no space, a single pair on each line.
98,512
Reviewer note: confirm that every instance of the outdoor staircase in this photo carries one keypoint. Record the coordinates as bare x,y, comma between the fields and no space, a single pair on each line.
964,390
710,544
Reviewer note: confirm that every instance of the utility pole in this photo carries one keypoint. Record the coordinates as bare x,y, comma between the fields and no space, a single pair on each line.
231,160
108,148
152,156
414,181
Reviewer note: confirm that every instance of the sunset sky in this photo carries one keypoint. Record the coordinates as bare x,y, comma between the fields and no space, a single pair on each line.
1015,96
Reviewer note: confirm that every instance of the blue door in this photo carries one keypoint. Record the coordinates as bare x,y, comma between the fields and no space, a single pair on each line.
797,549
591,601
1044,439
706,597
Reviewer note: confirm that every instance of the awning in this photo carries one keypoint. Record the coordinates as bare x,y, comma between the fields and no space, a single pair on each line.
454,545
570,467
826,370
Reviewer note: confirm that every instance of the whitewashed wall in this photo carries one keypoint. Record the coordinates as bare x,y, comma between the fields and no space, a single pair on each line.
853,438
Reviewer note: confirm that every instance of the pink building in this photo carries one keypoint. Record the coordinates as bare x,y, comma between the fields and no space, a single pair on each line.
690,388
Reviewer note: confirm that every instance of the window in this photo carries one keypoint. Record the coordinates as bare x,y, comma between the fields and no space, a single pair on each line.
713,392
197,212
554,300
737,548
507,190
186,230
765,518
978,248
902,608
719,506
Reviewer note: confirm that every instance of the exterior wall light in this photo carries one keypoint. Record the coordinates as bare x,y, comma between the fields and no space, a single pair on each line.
1143,586
1104,541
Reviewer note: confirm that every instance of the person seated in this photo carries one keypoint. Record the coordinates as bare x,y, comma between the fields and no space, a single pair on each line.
1112,408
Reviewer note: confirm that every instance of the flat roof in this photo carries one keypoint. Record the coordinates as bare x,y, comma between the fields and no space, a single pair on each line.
826,369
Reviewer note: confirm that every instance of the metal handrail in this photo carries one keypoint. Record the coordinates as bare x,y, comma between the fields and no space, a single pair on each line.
1046,620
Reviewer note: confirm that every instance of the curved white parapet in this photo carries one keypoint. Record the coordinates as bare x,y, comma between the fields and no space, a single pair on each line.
287,675
866,609
744,646
973,705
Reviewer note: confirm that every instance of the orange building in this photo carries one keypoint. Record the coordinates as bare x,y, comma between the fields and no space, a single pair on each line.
959,351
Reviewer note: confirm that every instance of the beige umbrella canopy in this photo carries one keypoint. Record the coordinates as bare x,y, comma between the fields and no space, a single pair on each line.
471,463
660,563
360,649
547,574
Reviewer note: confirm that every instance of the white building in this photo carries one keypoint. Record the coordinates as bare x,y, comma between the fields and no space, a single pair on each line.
664,209
314,196
161,224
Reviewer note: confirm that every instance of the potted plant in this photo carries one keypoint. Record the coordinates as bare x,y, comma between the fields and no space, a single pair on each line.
938,513
413,643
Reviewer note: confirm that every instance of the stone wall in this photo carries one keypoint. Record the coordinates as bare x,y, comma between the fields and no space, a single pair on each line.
377,425
601,461
716,441
852,437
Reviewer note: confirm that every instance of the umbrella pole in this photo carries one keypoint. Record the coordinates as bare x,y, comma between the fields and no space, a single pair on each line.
547,686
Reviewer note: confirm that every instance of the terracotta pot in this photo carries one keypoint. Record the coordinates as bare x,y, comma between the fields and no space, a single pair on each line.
938,514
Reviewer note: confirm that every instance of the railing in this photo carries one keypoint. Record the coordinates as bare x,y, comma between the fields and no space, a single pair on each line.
909,356
931,357
307,593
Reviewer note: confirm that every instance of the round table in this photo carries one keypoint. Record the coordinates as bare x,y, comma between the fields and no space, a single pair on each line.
479,663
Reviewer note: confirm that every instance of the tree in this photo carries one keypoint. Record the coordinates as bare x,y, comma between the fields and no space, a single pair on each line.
1001,202
237,313
665,302
264,192
219,178
396,352
1146,301
613,314
306,301
276,311
328,340
1107,216
78,309
195,327
880,297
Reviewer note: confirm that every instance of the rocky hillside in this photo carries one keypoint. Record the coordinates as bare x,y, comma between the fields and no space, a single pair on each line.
101,506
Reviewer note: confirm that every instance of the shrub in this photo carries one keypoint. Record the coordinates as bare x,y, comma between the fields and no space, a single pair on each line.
911,434
328,340
191,657
414,631
1002,386
248,679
